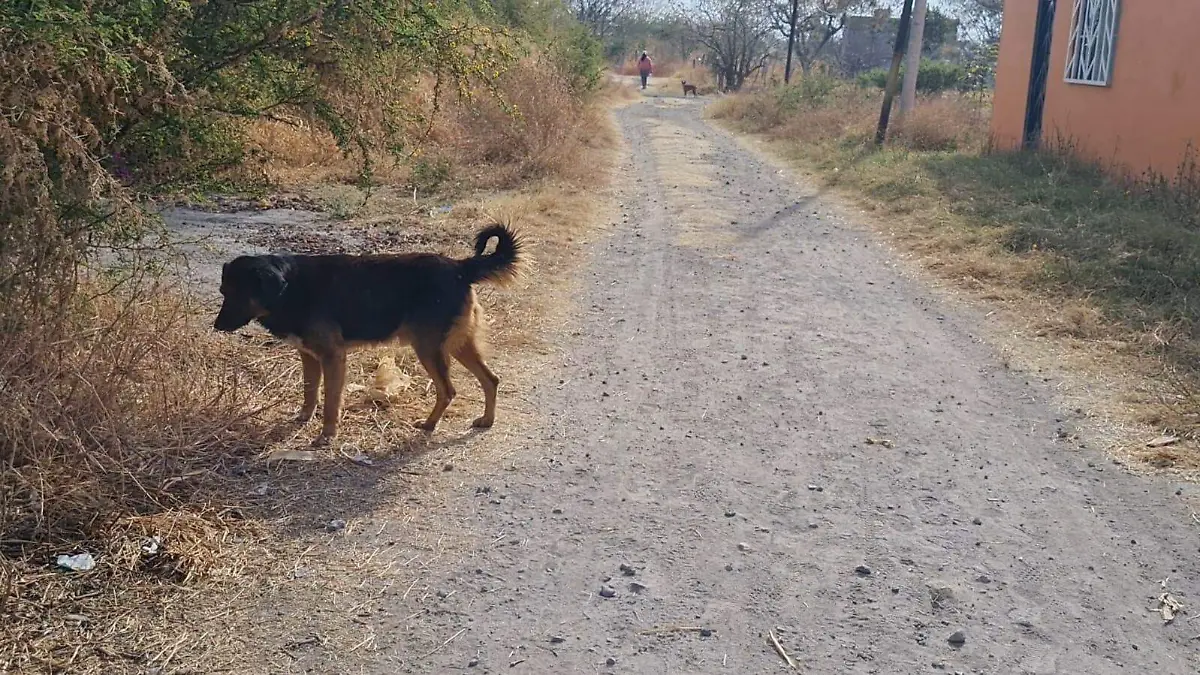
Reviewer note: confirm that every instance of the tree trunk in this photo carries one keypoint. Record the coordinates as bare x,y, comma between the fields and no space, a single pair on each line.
787,69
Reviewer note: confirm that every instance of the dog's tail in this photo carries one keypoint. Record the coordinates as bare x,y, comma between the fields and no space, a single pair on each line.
500,266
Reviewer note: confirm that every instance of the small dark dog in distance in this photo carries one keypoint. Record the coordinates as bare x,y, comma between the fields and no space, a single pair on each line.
326,305
689,87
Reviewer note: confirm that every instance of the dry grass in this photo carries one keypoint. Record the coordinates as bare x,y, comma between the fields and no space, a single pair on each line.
615,94
944,123
127,430
538,131
296,154
807,112
544,139
701,77
1091,278
821,111
140,422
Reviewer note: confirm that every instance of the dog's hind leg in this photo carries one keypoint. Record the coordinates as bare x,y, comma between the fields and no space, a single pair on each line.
433,357
312,383
468,355
334,367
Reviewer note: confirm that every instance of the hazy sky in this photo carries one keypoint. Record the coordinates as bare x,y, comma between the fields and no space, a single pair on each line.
947,6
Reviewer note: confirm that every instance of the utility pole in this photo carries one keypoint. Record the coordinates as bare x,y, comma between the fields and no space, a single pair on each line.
912,62
894,73
787,69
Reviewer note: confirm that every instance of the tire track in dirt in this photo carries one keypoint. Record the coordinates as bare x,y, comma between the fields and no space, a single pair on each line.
709,430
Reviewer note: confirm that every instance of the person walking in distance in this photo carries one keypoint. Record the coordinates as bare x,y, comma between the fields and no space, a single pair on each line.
645,67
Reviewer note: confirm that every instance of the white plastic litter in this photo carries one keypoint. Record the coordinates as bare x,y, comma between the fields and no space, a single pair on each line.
80,562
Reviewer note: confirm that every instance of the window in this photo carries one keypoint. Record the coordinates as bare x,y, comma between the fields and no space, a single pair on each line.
1090,49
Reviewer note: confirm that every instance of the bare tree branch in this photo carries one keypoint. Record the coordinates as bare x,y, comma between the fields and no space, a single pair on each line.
817,23
601,16
738,36
980,18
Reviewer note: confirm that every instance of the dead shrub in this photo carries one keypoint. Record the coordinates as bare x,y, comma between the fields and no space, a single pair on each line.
943,124
120,423
806,112
295,153
818,110
97,419
535,128
537,133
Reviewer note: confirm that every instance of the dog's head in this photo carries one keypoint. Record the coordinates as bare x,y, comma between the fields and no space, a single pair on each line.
252,287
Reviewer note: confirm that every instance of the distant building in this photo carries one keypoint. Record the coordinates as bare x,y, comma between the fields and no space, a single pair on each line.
868,41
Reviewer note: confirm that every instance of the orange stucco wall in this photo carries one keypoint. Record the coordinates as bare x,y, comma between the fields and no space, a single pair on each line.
1148,114
1012,72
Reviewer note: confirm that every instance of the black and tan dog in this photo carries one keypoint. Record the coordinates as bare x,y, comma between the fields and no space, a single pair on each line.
689,87
328,304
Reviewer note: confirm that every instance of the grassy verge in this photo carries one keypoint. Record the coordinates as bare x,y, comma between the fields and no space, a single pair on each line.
1102,271
136,435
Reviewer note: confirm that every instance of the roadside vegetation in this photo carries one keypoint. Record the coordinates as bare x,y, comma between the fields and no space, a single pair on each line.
131,435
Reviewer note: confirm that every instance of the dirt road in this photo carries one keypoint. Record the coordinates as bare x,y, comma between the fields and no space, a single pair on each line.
705,463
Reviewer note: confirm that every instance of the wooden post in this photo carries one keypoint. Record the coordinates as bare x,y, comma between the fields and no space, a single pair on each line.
894,74
912,61
787,69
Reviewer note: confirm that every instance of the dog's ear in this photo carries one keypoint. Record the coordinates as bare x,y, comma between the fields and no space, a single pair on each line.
271,273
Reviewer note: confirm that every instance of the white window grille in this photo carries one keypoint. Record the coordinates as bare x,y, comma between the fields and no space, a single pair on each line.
1093,35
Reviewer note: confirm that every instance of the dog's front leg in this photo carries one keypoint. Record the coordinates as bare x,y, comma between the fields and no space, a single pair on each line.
312,383
334,368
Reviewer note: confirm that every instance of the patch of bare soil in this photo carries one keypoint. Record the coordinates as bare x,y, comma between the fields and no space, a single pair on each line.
208,238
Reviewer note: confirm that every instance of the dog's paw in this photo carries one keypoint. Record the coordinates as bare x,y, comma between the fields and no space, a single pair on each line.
425,425
483,423
304,416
